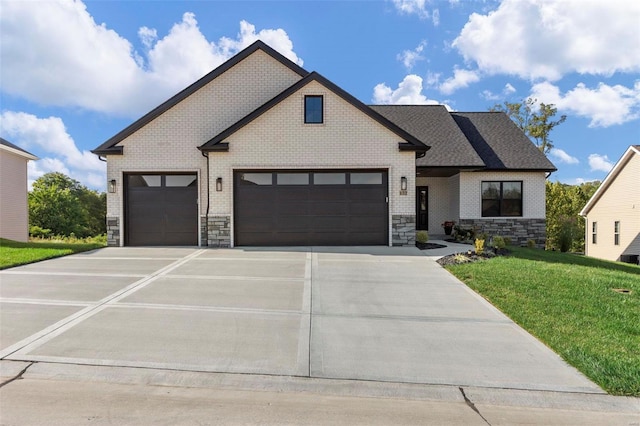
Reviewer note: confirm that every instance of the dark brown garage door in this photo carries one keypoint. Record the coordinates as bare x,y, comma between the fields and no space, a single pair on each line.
311,208
161,210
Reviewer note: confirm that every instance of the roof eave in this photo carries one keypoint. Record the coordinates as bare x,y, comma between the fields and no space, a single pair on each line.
114,150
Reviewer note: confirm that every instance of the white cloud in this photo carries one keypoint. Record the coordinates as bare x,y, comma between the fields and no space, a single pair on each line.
409,92
600,163
410,57
435,17
85,64
461,78
562,156
49,136
506,92
604,106
549,38
410,7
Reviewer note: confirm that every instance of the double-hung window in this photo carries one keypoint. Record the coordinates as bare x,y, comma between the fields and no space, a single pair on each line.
501,198
594,232
616,233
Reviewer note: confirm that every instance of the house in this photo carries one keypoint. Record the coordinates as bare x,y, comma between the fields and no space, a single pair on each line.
612,214
262,152
14,210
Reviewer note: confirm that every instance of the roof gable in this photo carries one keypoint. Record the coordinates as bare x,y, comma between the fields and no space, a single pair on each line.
611,177
110,146
411,143
14,149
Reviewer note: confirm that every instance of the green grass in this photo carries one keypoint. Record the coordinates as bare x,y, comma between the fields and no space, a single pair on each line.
567,302
13,253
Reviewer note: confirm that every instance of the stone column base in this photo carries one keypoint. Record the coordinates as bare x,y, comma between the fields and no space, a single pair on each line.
113,231
403,230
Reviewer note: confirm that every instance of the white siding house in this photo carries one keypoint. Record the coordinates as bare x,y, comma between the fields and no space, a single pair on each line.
14,211
613,213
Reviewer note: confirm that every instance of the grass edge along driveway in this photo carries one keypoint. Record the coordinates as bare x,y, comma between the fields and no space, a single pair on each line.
569,303
13,253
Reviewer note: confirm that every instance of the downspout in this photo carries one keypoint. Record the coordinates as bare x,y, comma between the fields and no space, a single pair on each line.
206,214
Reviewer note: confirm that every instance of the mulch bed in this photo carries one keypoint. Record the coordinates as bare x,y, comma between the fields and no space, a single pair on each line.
470,256
429,246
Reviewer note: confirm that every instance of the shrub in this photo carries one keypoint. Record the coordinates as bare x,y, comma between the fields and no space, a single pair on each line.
422,237
499,242
507,241
464,234
38,232
531,243
479,246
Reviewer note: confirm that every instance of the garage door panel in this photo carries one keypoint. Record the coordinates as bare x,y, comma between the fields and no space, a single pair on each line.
313,213
330,208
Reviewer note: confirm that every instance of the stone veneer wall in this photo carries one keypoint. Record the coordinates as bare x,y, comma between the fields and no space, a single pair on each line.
219,231
403,230
519,230
113,231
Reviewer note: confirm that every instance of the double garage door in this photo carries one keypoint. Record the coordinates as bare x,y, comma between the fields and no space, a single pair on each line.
272,208
341,207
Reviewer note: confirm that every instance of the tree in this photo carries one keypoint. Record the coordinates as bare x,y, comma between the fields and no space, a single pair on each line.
63,206
536,124
565,227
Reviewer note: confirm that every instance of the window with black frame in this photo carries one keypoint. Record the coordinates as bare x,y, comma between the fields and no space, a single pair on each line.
501,198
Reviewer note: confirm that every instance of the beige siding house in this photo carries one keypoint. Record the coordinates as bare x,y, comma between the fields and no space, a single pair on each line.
613,213
263,152
14,211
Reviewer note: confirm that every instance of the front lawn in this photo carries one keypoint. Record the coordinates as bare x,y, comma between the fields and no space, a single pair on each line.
568,302
13,253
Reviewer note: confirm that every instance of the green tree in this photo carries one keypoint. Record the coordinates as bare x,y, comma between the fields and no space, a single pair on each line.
565,227
536,123
64,206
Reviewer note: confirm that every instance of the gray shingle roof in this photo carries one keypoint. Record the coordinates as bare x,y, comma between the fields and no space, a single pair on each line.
500,143
434,126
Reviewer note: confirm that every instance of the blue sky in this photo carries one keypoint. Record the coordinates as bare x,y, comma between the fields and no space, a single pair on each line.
75,73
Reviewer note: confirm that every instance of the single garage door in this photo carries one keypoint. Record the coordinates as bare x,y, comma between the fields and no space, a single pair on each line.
342,207
161,209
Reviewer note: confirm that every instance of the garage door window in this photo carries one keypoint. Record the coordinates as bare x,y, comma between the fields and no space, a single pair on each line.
256,179
292,178
366,178
144,181
329,178
180,180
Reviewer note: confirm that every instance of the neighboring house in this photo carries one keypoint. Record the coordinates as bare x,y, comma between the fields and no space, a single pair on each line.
14,209
613,213
263,152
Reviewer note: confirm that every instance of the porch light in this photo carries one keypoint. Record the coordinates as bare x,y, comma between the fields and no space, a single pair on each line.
112,186
219,184
403,183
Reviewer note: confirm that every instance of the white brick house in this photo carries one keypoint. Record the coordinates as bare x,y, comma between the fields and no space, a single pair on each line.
263,152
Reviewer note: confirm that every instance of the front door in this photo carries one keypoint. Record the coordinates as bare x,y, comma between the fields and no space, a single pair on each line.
422,207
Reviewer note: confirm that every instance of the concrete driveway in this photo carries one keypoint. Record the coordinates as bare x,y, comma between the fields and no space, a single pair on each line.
371,313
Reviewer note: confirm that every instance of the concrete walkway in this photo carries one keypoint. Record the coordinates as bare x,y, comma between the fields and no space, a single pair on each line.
323,316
